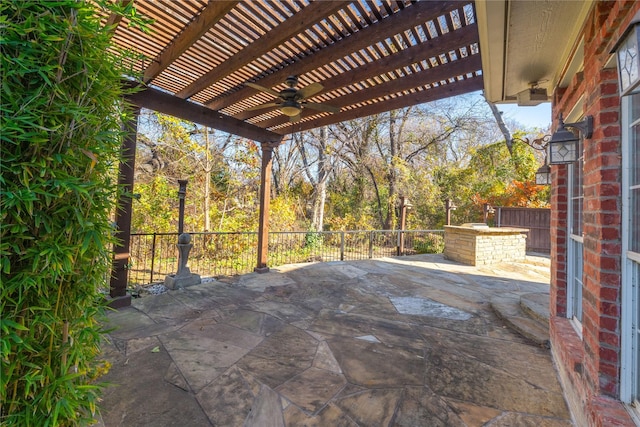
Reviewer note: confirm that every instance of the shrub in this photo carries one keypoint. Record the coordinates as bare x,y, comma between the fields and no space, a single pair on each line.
429,244
61,114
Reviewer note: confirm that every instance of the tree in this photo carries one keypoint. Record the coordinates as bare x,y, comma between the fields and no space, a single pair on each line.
316,141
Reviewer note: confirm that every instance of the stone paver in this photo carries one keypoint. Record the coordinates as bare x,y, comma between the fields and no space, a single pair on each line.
408,341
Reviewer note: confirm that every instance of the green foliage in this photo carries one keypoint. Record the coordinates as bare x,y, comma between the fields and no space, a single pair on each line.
283,214
430,244
155,210
313,240
60,121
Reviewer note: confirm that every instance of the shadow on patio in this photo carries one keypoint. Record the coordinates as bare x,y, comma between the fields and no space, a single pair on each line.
408,341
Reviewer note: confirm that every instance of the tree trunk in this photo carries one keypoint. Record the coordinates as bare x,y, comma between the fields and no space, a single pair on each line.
392,175
320,193
207,182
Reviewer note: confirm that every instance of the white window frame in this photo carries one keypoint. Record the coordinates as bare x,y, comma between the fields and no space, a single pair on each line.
574,242
630,292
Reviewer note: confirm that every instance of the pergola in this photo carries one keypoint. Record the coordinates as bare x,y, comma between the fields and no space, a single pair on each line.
370,57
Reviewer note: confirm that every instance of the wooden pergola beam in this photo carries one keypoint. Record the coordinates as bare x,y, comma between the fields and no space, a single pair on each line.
165,103
209,16
445,43
407,18
433,94
308,16
443,72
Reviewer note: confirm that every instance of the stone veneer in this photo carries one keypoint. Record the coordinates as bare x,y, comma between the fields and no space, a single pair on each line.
484,245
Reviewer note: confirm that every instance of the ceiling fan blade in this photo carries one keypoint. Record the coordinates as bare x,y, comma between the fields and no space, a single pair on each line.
294,119
310,90
261,106
262,88
322,107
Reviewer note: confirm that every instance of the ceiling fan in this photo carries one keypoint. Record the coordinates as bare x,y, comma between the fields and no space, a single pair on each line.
291,101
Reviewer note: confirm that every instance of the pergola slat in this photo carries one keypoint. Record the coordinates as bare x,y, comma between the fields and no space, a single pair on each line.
443,91
198,27
409,17
433,75
411,55
269,41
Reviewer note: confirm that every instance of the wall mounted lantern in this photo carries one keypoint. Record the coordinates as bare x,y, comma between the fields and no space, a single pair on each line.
564,144
543,175
626,51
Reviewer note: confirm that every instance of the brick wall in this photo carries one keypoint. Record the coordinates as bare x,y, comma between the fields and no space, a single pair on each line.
559,231
600,345
477,246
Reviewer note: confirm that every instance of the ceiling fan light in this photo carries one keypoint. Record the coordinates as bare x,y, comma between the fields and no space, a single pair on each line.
290,110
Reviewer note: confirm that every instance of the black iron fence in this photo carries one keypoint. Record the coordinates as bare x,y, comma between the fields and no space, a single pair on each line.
155,255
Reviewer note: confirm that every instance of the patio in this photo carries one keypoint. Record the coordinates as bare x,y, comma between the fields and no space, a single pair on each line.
409,341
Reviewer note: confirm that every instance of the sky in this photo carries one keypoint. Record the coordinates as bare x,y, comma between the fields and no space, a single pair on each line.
538,116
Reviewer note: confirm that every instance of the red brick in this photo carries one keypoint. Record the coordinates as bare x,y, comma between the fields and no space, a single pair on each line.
609,205
608,386
609,308
610,131
609,294
609,369
610,219
609,175
610,263
607,189
609,323
609,248
608,145
609,89
609,338
608,354
611,279
610,233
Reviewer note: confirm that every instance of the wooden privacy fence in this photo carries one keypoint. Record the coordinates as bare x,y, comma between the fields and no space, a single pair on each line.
537,220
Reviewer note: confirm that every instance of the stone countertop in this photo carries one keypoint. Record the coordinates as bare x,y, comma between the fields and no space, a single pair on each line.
485,230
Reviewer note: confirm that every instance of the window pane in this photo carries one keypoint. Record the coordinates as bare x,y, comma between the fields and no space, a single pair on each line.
577,197
634,175
635,156
635,107
634,213
577,248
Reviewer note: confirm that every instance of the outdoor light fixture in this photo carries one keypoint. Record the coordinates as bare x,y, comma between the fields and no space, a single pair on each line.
626,51
564,144
543,175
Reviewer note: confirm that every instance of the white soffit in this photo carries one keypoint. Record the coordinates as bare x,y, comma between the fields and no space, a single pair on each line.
527,41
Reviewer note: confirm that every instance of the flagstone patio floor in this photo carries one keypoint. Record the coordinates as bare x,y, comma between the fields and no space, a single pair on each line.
408,341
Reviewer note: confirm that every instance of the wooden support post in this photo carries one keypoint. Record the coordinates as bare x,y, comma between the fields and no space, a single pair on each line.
449,206
121,256
265,197
404,206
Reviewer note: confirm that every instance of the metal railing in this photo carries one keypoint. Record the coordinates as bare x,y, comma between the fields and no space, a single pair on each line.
155,255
